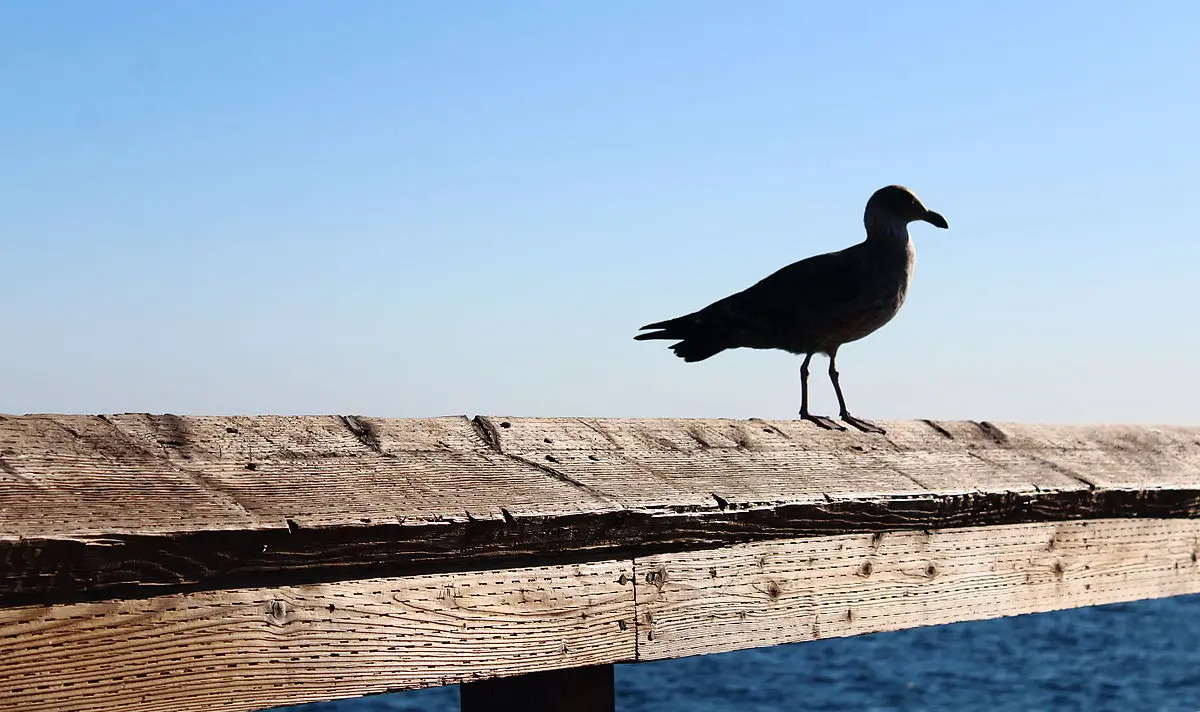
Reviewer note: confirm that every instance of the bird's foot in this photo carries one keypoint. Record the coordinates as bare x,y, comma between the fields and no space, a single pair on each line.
822,421
864,425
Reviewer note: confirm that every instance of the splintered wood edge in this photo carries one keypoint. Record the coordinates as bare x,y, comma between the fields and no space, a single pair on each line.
248,649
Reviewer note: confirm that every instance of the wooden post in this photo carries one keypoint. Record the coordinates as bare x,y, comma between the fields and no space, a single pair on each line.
586,689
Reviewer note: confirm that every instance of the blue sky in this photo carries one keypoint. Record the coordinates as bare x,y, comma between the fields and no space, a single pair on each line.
419,208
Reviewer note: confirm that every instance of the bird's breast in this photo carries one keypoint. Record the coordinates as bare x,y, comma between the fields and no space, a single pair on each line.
882,290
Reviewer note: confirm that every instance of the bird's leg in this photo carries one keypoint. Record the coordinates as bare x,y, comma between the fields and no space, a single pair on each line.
864,425
827,423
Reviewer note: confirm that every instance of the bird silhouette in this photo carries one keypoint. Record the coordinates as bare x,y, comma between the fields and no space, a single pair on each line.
817,304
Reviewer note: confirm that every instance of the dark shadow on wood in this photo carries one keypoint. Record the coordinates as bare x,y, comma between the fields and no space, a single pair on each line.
43,571
586,689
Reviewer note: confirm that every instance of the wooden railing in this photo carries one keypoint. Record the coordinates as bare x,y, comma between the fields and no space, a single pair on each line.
237,563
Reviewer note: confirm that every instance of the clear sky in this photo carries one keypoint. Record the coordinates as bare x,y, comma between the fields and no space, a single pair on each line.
427,208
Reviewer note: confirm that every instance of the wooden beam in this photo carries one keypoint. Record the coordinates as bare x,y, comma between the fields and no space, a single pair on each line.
589,689
793,591
249,649
254,648
167,563
141,505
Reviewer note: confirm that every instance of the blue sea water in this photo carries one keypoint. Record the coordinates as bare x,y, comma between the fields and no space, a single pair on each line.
1138,657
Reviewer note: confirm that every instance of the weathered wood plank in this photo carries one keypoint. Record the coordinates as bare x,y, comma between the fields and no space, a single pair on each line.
788,591
79,476
253,648
769,461
129,505
248,649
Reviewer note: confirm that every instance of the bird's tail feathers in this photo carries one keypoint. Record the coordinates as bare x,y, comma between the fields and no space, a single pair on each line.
697,349
655,335
677,328
694,343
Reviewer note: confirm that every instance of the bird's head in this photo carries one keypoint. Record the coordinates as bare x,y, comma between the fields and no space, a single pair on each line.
892,208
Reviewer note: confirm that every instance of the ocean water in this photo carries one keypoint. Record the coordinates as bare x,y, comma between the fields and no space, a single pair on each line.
1138,657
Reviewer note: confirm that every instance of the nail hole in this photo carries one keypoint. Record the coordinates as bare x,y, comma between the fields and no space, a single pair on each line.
593,458
231,429
547,440
251,465
506,424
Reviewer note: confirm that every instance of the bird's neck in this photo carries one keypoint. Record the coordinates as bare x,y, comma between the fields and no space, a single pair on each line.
888,232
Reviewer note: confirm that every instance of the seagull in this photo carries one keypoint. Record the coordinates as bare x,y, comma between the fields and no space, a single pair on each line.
817,304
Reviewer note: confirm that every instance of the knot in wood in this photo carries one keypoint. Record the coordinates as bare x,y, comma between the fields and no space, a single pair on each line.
277,610
657,577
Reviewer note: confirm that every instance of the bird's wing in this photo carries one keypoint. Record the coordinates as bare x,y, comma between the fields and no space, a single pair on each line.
776,302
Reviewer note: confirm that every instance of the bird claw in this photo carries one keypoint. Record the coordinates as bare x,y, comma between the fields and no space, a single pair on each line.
822,421
865,426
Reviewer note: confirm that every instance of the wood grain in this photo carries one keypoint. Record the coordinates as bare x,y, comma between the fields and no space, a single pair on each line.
249,649
789,591
141,505
81,476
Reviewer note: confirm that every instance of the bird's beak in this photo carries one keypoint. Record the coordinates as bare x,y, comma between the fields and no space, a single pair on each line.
935,219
